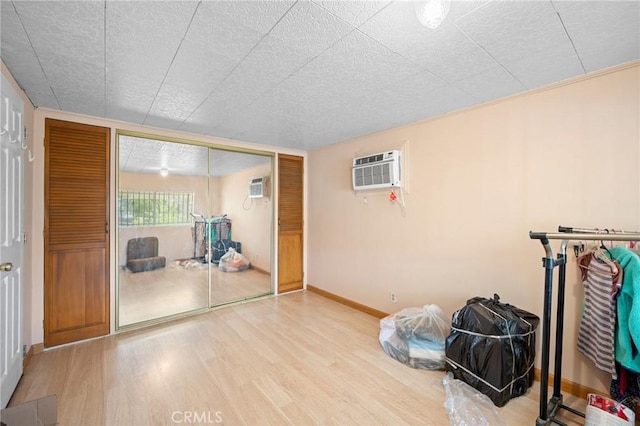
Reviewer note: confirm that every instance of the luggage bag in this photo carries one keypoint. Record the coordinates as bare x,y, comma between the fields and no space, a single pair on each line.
492,348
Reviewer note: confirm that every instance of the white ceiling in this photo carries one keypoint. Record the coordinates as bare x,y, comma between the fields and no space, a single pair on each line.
142,155
300,74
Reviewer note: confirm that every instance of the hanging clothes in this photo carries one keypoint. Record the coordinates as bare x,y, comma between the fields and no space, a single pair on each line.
628,324
626,387
596,333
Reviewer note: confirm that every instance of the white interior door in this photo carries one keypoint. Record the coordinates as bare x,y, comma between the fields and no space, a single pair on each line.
11,240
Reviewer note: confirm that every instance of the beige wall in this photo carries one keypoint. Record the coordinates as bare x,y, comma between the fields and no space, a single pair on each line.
174,242
480,180
250,220
28,216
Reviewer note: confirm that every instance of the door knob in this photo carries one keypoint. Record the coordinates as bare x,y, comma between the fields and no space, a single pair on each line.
6,267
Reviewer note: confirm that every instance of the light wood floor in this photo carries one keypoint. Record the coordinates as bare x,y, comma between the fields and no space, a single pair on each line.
295,359
173,290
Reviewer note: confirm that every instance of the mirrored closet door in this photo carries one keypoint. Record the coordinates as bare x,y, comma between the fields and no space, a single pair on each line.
241,241
191,233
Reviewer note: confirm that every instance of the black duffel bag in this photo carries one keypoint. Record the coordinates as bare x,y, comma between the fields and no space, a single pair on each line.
492,348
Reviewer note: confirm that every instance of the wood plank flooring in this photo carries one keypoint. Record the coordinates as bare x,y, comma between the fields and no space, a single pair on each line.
173,290
298,359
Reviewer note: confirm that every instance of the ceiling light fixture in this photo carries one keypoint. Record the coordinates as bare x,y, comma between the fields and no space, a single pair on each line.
431,13
164,172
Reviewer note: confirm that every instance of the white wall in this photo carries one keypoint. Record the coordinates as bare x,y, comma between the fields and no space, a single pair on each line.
480,180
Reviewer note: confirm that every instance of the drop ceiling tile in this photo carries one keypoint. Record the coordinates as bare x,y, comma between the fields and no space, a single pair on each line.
491,84
416,86
546,67
357,64
396,26
20,58
310,80
202,120
604,33
264,68
446,51
75,80
441,101
199,69
513,30
129,98
310,29
143,37
213,29
355,13
258,15
299,92
460,8
172,106
194,74
274,56
69,29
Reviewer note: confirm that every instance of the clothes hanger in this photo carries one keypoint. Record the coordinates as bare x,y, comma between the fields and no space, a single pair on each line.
601,256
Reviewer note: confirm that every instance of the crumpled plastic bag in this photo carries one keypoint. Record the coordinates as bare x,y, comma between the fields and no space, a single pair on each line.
416,336
467,406
232,261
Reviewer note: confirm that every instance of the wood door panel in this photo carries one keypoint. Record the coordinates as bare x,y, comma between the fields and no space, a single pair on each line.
290,223
78,306
76,231
290,260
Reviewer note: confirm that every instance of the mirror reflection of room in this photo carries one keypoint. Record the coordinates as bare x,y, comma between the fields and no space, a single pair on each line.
240,227
190,234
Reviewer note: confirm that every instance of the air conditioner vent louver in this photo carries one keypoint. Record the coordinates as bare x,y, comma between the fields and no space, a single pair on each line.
257,188
377,171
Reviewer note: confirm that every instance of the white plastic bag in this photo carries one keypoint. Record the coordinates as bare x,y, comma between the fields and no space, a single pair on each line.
232,261
467,406
416,336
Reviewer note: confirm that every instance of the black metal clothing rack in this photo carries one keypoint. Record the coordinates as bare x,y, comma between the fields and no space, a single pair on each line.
549,408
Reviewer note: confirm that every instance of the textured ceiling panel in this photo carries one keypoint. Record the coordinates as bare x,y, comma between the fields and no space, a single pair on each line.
266,66
604,32
310,29
142,39
358,64
258,15
446,51
15,49
215,29
68,39
355,13
489,83
194,74
222,163
546,67
300,74
65,28
513,30
458,9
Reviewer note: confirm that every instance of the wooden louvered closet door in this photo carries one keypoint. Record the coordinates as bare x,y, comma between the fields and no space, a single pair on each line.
290,222
76,232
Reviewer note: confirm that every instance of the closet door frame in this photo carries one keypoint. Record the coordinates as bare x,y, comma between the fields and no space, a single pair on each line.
160,138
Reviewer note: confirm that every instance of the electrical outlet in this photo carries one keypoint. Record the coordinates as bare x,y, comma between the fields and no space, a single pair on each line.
394,298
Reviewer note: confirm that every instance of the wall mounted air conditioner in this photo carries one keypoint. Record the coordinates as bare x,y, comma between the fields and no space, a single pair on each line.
258,187
377,171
